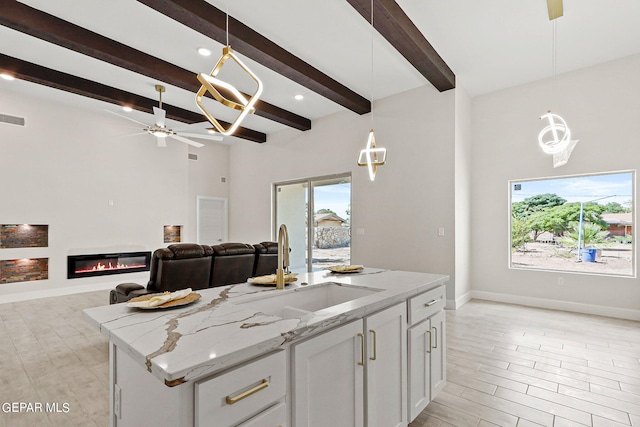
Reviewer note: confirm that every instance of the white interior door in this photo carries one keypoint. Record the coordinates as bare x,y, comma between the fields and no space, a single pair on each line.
212,221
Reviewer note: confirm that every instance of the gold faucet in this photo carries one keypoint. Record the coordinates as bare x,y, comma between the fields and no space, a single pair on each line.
283,256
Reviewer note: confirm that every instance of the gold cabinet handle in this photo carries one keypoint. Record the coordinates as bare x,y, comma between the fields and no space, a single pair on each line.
430,303
375,345
429,351
263,384
436,344
361,362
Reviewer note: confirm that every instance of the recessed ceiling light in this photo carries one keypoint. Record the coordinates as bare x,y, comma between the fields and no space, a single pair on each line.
211,131
7,76
127,109
204,51
299,97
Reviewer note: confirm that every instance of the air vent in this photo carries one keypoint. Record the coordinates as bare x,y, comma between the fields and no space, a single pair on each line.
11,120
193,156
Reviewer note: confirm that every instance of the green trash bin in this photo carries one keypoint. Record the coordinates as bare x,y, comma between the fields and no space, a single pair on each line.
589,254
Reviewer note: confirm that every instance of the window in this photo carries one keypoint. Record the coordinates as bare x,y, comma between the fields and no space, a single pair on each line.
317,213
581,224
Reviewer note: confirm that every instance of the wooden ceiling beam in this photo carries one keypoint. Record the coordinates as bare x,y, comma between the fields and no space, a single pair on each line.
28,20
210,21
395,26
35,73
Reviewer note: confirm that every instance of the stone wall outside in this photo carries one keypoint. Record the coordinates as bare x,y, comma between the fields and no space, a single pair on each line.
332,237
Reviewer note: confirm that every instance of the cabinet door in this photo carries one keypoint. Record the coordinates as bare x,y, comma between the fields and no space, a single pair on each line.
438,353
276,416
328,383
386,373
419,380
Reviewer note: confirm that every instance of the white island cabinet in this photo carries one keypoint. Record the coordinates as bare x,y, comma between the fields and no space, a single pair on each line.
330,352
426,342
330,372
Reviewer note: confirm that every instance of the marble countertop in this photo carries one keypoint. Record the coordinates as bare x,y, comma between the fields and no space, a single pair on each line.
221,329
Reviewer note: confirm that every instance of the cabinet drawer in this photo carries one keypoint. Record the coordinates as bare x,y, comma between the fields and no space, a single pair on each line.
276,416
235,395
425,305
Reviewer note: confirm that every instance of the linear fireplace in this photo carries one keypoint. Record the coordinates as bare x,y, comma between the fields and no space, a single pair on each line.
105,264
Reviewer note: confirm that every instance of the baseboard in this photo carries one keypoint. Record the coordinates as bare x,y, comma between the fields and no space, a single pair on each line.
458,302
599,310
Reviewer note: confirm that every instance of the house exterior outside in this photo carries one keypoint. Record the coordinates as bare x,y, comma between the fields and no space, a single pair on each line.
620,224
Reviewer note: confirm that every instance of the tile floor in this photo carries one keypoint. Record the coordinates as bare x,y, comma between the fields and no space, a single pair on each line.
49,354
508,366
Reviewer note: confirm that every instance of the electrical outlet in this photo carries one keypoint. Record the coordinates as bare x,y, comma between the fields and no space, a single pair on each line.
440,231
110,202
560,281
117,400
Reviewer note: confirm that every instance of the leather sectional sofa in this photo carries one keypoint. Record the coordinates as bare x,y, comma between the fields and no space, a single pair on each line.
190,265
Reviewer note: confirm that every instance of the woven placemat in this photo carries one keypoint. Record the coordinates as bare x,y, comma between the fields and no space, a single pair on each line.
193,296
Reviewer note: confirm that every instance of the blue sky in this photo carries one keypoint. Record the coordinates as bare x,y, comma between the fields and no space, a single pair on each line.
579,188
336,197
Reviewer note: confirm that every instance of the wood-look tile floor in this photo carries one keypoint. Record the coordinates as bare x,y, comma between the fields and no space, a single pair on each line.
507,365
50,354
511,365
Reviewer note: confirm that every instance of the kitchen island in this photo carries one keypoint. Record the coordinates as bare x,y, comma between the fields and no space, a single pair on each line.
168,365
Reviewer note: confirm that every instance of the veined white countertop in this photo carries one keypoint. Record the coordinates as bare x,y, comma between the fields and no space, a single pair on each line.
221,329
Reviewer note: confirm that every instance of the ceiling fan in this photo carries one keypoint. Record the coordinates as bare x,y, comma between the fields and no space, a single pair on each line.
555,9
162,132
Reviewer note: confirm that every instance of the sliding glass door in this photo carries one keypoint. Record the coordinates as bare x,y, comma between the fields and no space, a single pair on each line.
317,213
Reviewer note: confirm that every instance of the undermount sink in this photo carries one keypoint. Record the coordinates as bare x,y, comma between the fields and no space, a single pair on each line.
292,303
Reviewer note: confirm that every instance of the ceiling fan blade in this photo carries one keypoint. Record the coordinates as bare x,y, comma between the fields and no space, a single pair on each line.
159,114
187,141
128,118
162,142
216,137
555,9
195,126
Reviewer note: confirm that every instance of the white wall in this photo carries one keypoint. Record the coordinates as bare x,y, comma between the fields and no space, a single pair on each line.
462,155
602,107
65,165
400,212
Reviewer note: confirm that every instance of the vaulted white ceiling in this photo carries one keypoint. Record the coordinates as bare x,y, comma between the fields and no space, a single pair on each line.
489,45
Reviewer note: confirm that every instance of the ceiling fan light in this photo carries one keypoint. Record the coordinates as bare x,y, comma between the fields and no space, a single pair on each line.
127,109
7,76
299,97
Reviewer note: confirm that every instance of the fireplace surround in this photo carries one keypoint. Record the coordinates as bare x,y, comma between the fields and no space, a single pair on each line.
92,265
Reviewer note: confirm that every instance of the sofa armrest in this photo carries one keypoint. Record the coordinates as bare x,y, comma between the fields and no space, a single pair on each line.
124,292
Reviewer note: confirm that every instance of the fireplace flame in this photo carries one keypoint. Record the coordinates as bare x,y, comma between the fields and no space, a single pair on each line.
99,266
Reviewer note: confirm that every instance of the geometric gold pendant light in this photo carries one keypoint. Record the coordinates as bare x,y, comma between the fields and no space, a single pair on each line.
227,94
372,156
555,137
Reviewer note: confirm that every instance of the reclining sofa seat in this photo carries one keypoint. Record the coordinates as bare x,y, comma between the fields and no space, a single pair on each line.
232,263
266,258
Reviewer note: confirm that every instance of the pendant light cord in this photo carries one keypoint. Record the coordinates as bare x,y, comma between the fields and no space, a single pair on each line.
372,79
227,22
